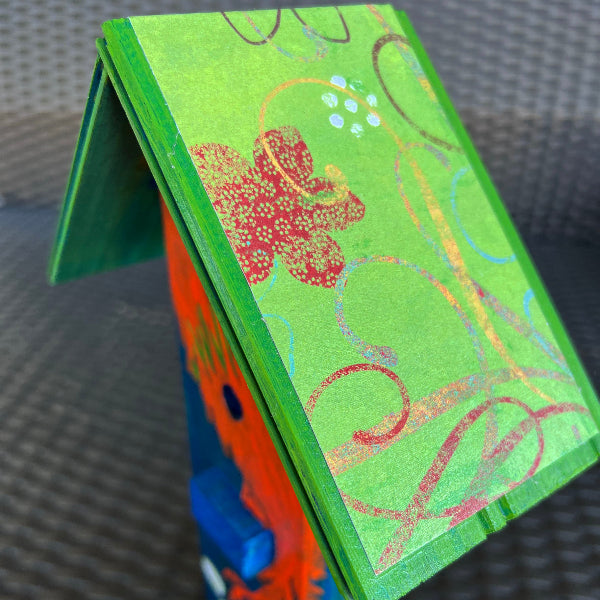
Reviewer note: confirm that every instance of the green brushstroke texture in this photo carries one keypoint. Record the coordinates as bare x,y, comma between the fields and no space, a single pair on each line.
110,216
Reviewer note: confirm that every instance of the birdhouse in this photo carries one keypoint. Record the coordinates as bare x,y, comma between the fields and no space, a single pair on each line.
375,377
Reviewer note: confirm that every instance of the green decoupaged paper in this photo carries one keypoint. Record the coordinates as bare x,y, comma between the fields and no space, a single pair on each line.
405,348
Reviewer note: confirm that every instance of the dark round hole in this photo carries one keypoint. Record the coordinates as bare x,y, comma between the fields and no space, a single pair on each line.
233,402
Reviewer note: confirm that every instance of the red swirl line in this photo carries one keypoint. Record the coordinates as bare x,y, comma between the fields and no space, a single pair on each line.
366,437
424,410
416,510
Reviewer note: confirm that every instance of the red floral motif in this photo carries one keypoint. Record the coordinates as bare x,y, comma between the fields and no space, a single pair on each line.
278,208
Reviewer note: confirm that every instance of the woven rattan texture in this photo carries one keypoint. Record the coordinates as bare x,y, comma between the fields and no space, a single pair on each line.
93,451
523,75
93,441
93,456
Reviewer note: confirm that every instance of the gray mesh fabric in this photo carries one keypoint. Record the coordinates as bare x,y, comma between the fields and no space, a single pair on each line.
93,441
93,450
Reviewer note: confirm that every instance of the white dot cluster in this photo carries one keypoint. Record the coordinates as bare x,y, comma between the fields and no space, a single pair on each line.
336,119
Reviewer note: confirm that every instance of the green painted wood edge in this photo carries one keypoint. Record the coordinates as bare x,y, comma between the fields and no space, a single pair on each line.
541,294
110,215
163,185
89,114
452,544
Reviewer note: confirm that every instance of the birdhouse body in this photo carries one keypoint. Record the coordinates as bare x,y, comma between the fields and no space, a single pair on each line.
375,376
230,443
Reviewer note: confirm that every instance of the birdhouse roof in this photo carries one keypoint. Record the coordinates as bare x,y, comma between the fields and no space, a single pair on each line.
406,359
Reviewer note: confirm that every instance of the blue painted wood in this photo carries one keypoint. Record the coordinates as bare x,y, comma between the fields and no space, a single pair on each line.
223,521
330,590
205,449
222,517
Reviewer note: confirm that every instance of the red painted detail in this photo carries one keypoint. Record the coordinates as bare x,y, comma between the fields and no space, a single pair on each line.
266,489
277,207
